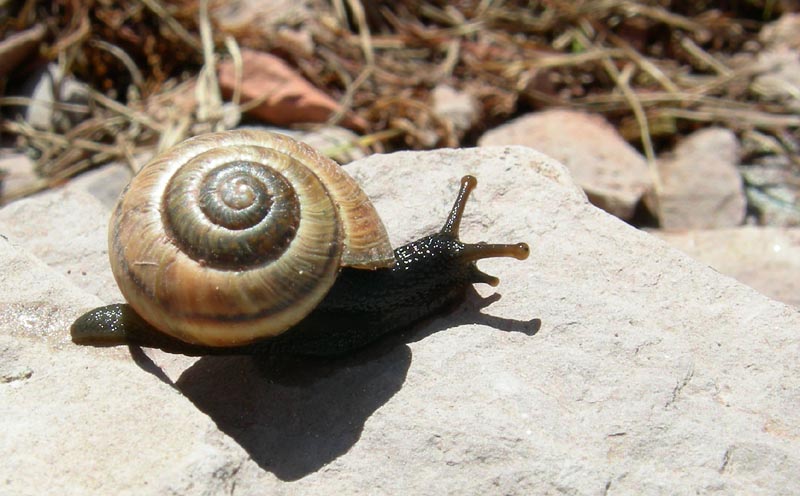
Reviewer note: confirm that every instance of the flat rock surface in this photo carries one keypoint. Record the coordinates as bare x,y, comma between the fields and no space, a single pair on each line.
612,364
64,230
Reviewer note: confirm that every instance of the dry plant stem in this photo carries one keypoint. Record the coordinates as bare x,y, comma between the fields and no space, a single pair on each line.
364,35
554,61
445,69
124,145
736,118
75,38
13,43
236,56
129,113
173,23
786,86
613,102
209,97
82,165
622,80
57,140
720,82
499,51
657,14
24,101
130,65
644,64
365,38
370,140
703,57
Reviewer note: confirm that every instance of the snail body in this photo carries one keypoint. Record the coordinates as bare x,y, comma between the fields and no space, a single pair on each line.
246,240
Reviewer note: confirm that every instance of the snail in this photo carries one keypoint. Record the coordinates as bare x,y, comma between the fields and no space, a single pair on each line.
243,241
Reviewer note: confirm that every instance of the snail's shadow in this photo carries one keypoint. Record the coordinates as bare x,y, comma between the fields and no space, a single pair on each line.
293,415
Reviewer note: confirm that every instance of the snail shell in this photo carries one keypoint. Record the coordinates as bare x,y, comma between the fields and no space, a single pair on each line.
231,237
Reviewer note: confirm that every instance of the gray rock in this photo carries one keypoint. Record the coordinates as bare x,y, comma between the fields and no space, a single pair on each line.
773,191
613,174
764,258
611,364
700,185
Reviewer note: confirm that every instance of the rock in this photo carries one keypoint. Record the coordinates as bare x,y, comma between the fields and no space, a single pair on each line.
700,185
613,174
105,183
765,258
57,427
259,21
17,176
612,363
779,77
773,191
459,108
77,249
40,87
785,32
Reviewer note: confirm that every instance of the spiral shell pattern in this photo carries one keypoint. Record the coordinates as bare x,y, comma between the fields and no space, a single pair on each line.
231,237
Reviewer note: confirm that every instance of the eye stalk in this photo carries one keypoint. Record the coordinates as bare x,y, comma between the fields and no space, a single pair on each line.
472,252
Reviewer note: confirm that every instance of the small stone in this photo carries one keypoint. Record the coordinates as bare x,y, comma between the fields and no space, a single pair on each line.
42,114
20,373
700,184
613,174
779,78
458,107
17,175
258,19
785,32
11,370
